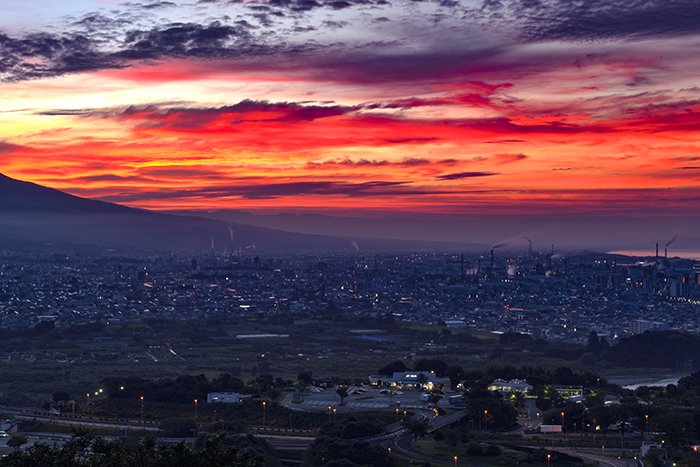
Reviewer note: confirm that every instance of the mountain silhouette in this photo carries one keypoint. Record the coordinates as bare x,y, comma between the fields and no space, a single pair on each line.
31,213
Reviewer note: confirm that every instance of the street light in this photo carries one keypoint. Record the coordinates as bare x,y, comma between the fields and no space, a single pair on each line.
455,458
549,459
562,421
196,406
264,406
397,415
141,397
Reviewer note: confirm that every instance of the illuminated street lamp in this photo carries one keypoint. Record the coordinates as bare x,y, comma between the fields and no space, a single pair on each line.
196,406
264,407
562,421
455,458
141,397
549,459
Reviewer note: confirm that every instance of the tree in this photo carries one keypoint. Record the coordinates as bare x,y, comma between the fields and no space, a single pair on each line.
429,364
16,440
417,428
393,367
60,396
305,378
455,375
342,391
434,398
593,344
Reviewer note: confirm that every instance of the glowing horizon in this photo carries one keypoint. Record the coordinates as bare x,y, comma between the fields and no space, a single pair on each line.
436,107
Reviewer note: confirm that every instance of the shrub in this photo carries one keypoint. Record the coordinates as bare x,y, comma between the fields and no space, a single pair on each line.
474,449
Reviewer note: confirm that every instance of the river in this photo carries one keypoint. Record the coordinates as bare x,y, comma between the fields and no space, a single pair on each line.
634,382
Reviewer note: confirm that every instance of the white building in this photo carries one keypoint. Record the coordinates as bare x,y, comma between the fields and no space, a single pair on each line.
410,379
223,397
514,385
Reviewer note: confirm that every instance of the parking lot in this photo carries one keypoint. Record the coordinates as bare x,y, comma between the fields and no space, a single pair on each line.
363,399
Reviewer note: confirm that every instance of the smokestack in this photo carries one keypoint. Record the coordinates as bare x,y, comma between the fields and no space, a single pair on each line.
461,265
657,250
492,261
665,253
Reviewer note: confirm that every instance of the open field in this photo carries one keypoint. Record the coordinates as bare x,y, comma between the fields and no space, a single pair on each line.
76,360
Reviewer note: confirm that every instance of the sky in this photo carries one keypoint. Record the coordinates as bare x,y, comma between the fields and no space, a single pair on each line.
513,107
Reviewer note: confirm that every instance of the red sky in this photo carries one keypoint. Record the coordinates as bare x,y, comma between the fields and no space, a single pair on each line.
359,107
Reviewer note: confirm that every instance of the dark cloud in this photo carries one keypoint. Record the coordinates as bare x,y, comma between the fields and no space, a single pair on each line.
687,158
109,178
416,140
6,148
43,54
304,6
508,158
158,5
186,40
263,190
461,175
411,161
244,111
592,20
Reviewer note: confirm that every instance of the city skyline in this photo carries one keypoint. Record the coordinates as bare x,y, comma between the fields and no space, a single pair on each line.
355,107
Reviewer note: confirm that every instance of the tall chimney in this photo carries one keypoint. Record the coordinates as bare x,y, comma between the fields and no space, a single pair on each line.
493,262
665,253
657,250
461,265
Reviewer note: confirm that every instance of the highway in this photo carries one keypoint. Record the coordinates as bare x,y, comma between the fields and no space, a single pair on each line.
395,437
36,415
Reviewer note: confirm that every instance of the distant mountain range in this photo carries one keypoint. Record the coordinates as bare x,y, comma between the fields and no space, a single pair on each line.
569,232
31,214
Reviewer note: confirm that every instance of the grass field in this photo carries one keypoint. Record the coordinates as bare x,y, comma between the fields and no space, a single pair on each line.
76,360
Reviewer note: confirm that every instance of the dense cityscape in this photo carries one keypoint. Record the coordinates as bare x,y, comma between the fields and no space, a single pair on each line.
547,295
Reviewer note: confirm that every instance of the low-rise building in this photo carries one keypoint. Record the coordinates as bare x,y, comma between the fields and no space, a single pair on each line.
514,385
223,397
427,380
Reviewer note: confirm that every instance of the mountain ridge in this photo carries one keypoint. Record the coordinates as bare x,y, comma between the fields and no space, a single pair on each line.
34,213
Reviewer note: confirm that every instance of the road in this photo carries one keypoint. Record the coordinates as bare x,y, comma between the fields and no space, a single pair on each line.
35,415
601,459
395,436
